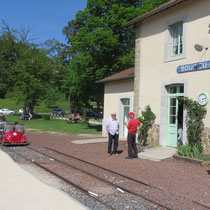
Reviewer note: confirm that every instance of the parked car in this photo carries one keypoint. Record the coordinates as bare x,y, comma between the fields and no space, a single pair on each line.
90,113
58,112
7,111
20,111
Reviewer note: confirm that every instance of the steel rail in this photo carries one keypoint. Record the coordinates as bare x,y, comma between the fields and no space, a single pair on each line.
195,202
106,169
201,204
64,179
104,180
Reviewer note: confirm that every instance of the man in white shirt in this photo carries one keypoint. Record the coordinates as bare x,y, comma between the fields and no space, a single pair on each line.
112,127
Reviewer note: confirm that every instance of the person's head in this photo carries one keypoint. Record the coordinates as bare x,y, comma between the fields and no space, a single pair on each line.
15,123
113,115
131,115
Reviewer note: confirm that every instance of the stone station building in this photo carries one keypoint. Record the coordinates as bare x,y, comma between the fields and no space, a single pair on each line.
171,59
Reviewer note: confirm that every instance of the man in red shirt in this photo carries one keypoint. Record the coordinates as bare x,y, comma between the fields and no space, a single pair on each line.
132,126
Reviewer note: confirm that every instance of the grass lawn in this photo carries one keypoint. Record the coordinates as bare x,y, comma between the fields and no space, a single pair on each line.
11,103
53,125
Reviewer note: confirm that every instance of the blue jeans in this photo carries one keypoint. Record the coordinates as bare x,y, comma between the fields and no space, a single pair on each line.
111,137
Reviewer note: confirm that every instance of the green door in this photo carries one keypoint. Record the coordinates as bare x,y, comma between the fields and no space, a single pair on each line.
125,110
172,122
172,118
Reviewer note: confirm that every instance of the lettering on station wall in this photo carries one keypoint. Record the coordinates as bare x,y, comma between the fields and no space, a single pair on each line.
194,67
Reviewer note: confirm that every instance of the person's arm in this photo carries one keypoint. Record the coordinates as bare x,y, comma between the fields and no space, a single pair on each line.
140,125
107,128
127,125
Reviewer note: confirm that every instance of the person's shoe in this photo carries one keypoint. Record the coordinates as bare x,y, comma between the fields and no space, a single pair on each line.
136,157
109,154
129,157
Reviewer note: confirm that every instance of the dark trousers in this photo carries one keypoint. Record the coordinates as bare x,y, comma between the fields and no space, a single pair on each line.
132,149
111,137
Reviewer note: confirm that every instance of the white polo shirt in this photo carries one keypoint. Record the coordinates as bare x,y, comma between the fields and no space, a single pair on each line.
113,126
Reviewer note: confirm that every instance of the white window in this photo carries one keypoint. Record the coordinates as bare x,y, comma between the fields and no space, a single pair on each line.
175,40
176,32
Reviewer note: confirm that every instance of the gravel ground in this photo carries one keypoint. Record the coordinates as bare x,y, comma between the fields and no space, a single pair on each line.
174,177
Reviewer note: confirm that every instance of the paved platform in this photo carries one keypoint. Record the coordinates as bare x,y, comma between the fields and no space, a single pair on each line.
157,153
20,190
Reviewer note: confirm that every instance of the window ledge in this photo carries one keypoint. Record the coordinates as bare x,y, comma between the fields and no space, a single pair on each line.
174,58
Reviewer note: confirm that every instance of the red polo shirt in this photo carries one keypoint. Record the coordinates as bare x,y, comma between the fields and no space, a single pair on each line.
133,125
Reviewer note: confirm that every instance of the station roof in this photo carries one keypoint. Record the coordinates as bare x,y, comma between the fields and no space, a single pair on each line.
126,74
159,9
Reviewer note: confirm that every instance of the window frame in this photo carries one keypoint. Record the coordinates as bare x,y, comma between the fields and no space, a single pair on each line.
169,54
179,38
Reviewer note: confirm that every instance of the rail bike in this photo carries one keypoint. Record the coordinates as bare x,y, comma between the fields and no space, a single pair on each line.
12,134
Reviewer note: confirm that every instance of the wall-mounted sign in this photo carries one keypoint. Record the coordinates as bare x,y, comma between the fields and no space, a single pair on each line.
194,67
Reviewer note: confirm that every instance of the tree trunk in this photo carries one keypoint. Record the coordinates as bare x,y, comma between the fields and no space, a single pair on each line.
69,104
75,111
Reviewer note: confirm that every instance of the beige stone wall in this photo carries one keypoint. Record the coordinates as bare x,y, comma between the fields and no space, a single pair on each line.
154,135
113,91
206,140
154,69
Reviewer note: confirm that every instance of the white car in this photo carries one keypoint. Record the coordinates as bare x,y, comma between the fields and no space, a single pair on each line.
7,111
20,111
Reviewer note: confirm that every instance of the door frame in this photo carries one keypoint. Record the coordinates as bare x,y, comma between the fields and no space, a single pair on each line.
120,110
173,95
164,110
123,117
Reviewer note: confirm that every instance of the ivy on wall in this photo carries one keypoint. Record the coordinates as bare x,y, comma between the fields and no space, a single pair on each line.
194,121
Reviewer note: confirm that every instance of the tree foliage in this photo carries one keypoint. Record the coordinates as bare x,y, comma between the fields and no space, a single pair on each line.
26,70
99,44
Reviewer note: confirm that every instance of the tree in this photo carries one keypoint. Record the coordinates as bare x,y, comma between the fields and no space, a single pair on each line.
99,44
8,56
25,67
147,5
31,76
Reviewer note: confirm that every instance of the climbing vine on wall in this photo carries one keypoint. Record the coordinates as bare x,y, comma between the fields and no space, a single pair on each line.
194,121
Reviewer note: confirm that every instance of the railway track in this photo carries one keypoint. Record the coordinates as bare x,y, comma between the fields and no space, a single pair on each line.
148,186
116,186
68,181
119,189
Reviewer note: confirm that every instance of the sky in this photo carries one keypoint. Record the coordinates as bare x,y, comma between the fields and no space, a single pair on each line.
44,18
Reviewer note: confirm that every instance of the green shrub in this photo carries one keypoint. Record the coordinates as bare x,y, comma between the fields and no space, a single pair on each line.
46,117
196,150
194,122
189,151
184,150
148,119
